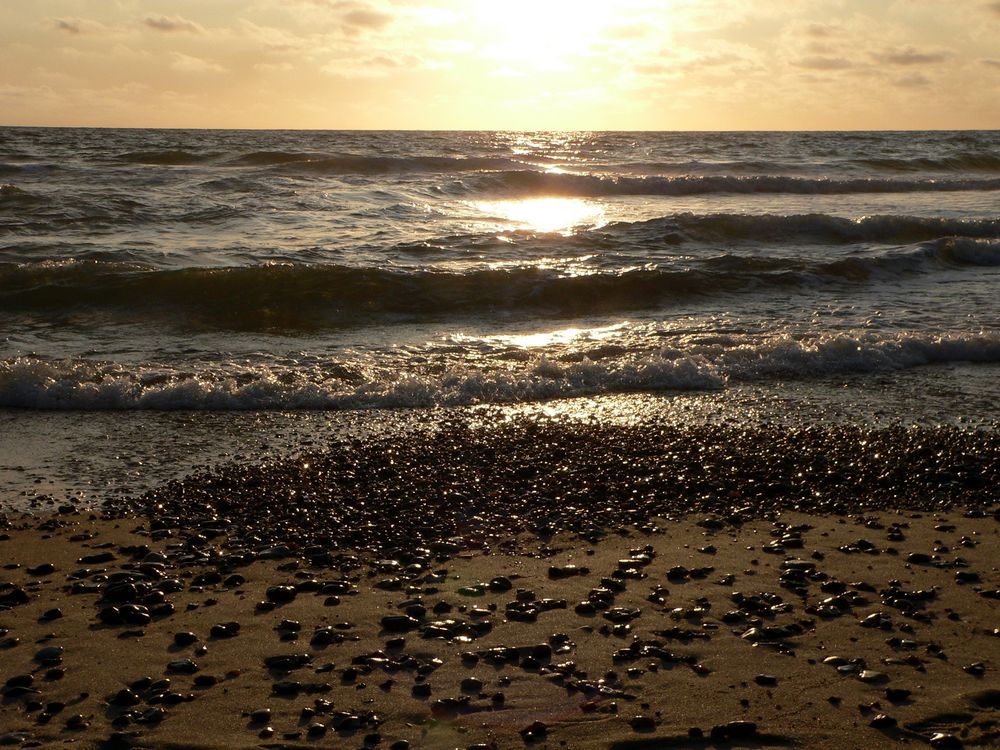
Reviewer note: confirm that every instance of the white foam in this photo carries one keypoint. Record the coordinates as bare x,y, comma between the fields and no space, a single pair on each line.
697,364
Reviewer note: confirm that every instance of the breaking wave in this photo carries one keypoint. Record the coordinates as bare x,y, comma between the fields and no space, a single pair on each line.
34,383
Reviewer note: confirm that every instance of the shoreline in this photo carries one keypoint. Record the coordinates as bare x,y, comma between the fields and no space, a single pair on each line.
523,584
88,457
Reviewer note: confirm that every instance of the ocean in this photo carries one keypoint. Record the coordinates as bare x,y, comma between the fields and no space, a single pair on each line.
173,298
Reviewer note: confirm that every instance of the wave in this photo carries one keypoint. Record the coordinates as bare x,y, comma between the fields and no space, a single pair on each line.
376,165
12,197
165,158
819,228
968,162
15,170
532,183
33,383
324,163
313,297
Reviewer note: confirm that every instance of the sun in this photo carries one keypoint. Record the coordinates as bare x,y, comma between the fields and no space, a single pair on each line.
540,35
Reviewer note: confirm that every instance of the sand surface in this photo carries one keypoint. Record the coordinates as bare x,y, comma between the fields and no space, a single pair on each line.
673,652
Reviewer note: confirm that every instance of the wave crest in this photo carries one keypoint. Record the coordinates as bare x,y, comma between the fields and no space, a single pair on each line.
34,383
313,297
533,183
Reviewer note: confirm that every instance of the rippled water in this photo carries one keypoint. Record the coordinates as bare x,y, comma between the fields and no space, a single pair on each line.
228,270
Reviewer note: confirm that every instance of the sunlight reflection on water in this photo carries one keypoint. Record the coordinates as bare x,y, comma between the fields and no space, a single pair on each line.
546,214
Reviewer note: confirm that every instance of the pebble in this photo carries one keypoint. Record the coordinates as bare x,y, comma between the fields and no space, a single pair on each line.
280,594
733,730
642,724
882,721
183,666
471,685
943,741
225,630
871,676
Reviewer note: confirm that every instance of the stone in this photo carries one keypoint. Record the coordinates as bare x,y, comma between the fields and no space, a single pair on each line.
642,724
399,623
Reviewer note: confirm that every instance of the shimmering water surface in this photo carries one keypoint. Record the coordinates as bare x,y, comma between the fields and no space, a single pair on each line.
281,271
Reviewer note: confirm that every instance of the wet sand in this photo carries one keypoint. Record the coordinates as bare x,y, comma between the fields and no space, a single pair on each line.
732,587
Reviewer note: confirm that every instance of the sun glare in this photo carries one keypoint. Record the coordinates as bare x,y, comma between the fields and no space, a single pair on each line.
549,35
546,214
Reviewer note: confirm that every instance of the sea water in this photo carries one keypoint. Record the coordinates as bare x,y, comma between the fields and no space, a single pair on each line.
227,290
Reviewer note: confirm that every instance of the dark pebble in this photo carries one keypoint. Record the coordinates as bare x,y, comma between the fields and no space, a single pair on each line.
280,594
225,630
534,732
882,721
185,639
399,623
643,724
183,666
471,685
125,697
734,730
50,655
942,741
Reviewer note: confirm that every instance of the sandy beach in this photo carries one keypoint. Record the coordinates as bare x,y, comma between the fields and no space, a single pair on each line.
580,627
474,375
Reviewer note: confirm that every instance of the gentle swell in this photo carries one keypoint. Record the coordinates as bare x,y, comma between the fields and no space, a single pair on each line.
375,165
312,297
528,183
82,384
13,197
165,158
969,162
819,228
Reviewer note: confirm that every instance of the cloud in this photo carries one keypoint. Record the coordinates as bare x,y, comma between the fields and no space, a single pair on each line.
824,63
368,19
170,24
76,25
913,80
993,8
821,30
360,16
271,38
991,63
911,56
353,16
65,24
188,64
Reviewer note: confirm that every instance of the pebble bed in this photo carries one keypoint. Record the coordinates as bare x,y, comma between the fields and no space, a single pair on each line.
480,486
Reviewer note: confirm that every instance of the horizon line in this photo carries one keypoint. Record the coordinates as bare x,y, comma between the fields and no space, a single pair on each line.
505,130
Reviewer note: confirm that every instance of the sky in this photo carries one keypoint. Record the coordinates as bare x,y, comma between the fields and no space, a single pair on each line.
502,64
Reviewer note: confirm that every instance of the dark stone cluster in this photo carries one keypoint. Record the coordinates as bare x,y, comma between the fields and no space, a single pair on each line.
460,486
